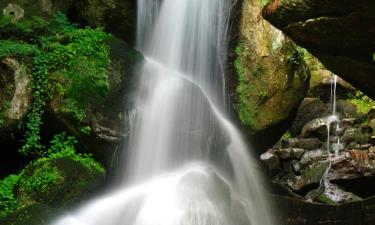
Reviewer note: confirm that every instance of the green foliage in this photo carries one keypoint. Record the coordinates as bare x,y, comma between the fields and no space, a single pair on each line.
361,101
67,61
63,146
286,136
44,176
8,202
3,109
13,48
42,179
86,130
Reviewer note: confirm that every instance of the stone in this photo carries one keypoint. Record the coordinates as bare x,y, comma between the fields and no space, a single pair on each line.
372,139
14,11
296,166
353,164
332,194
271,160
284,153
348,122
372,124
309,109
321,82
271,85
315,128
354,135
15,95
55,182
371,113
349,52
313,156
310,143
310,175
297,152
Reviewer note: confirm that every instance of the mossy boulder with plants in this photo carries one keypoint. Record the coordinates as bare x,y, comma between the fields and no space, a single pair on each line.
77,76
272,75
55,180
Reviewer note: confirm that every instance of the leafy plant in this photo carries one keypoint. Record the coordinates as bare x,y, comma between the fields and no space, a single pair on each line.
361,101
66,59
8,202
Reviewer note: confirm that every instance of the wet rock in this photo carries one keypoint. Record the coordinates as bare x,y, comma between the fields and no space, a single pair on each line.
271,160
291,142
354,135
298,152
309,143
321,83
309,109
287,166
353,164
284,153
316,127
310,175
332,194
296,166
347,122
313,156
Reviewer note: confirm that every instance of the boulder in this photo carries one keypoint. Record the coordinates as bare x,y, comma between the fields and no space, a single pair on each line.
341,34
321,83
355,135
15,95
115,16
55,182
271,160
309,143
271,77
315,128
332,194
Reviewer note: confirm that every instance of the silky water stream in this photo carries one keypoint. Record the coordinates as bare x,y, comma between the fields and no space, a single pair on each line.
186,164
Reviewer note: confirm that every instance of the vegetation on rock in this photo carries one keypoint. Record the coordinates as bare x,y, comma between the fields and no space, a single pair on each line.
67,63
50,179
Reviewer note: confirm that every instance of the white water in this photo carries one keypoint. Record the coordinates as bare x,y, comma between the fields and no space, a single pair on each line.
187,164
332,119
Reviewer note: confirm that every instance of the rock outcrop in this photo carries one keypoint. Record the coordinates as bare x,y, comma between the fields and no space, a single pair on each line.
304,160
341,34
272,77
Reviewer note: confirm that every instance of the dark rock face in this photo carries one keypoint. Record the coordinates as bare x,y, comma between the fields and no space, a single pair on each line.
296,212
341,34
116,16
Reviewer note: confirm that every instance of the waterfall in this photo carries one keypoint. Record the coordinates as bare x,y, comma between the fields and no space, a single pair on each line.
186,163
332,119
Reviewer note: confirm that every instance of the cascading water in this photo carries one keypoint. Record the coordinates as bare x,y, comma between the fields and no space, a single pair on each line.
337,146
187,164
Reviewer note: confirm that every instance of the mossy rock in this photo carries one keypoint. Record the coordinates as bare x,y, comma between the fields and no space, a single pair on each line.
19,9
37,214
273,77
56,182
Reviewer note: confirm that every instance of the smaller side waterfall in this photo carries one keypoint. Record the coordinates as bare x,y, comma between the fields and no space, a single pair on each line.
333,140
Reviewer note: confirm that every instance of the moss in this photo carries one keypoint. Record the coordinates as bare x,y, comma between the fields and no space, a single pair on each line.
361,101
263,98
8,202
